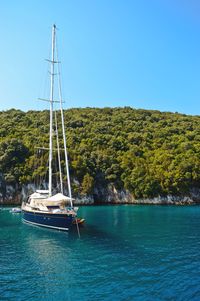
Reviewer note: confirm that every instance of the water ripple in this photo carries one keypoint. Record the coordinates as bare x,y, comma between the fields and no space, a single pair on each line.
125,253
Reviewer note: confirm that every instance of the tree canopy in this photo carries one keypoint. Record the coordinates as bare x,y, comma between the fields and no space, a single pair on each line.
146,152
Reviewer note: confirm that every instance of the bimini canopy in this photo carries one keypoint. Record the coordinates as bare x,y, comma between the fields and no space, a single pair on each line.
59,197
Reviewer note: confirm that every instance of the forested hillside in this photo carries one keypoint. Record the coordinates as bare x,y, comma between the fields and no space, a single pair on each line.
148,153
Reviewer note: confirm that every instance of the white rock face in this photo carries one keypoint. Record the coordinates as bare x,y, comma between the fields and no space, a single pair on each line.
103,195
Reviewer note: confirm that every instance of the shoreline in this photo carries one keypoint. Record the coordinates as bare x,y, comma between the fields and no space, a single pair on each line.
116,204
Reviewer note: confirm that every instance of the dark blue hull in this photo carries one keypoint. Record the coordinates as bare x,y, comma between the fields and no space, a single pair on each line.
48,220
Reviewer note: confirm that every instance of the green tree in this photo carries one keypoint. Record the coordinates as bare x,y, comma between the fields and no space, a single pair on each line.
87,185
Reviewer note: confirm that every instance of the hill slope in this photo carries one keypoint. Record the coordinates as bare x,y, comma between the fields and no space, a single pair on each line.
148,153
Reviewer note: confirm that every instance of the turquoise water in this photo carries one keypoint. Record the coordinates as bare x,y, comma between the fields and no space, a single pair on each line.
124,253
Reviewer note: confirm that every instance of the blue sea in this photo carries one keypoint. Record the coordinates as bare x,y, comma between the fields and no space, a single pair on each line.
125,252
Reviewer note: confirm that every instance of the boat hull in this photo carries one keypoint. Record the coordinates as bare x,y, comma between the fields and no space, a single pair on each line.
49,220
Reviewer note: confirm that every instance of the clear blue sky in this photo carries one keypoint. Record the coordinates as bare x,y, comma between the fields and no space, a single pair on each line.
138,53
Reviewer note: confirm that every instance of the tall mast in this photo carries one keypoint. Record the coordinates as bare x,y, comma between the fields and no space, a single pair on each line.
64,140
66,155
51,109
58,148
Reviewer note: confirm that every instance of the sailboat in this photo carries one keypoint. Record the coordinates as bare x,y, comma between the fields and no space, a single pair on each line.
47,208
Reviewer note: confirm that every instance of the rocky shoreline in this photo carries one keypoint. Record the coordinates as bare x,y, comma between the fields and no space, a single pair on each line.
14,195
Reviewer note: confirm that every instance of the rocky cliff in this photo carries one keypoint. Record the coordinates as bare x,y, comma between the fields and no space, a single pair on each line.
10,194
